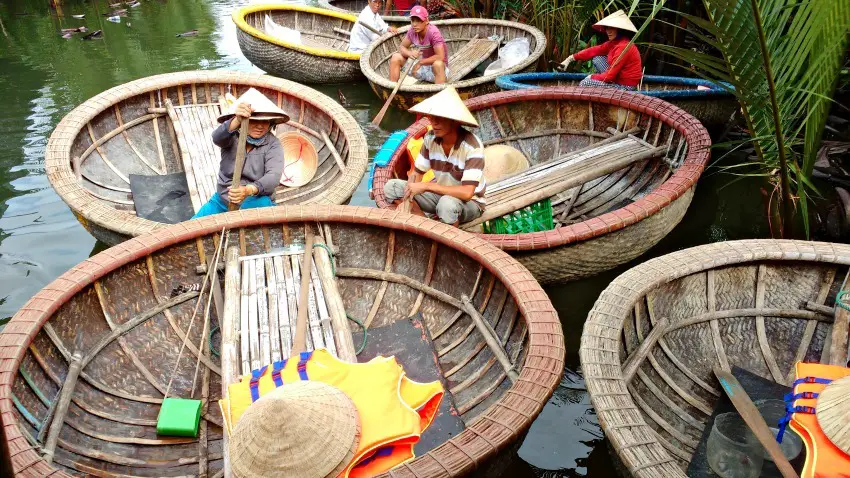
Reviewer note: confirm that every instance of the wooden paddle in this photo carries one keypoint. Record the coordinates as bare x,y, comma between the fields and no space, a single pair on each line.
240,160
380,116
748,411
300,342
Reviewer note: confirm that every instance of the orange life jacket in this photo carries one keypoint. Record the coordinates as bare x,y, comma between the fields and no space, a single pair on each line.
393,409
823,459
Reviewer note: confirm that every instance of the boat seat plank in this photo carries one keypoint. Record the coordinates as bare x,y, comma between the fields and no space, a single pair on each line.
466,59
269,308
193,126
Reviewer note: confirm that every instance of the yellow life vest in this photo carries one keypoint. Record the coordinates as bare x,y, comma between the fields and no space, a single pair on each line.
393,409
823,458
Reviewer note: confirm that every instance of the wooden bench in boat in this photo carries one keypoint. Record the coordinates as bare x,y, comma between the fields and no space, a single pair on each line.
193,127
618,151
466,59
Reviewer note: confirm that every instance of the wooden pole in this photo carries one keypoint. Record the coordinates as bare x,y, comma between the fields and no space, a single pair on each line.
65,395
380,116
490,337
300,343
336,308
230,317
240,160
838,345
748,411
571,182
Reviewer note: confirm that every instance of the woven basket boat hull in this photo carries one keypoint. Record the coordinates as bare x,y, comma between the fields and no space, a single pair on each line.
98,195
627,212
109,429
713,107
323,58
374,62
761,305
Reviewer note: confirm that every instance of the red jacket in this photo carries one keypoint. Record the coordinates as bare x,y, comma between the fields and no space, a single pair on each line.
627,71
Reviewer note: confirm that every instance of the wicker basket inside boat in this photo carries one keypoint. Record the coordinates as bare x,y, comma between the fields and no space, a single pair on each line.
654,335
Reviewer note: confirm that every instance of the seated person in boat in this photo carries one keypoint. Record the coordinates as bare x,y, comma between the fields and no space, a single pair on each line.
456,157
617,63
263,155
361,36
429,48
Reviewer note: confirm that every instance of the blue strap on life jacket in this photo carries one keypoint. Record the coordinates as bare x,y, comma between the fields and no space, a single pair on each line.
277,368
302,365
255,382
792,397
385,153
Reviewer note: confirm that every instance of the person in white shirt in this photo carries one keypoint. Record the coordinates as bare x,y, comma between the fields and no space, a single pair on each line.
361,37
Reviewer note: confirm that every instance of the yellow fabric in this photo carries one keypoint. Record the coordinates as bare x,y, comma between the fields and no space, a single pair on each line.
393,409
823,459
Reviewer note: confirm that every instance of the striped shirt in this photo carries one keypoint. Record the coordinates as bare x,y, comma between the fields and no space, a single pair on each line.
463,166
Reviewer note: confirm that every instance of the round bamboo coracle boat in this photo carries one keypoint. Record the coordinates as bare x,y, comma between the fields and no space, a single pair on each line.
654,335
322,54
602,222
130,129
468,49
88,359
354,7
709,102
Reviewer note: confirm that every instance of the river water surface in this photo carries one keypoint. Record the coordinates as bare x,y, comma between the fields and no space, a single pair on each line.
44,76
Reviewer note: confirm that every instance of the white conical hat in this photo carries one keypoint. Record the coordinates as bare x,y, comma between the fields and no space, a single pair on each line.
307,429
446,104
833,413
264,108
618,19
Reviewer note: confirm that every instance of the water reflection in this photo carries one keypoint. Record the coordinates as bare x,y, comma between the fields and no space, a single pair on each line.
43,76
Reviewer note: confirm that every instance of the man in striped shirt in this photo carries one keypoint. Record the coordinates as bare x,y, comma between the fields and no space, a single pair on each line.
456,157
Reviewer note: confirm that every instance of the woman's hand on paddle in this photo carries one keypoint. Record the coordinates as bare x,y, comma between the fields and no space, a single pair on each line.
238,194
243,110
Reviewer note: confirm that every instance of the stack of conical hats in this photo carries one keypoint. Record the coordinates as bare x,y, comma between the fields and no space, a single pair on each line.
833,412
306,429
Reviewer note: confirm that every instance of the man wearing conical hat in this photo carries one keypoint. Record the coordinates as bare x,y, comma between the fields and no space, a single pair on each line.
263,155
617,62
456,157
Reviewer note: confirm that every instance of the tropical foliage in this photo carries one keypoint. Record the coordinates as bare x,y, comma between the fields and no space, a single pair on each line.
783,57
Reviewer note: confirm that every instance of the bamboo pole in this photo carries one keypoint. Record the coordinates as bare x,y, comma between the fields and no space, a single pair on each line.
240,160
490,337
300,343
74,369
838,346
570,182
336,308
230,317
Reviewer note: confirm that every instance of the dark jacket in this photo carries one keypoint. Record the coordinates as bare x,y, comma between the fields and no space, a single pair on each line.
263,164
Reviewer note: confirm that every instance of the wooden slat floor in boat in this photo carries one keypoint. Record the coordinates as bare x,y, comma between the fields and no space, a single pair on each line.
194,125
466,59
269,308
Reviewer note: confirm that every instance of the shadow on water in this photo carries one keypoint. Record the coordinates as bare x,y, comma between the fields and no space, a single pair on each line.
43,76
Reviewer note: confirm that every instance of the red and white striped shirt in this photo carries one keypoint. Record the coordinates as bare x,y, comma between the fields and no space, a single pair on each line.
463,166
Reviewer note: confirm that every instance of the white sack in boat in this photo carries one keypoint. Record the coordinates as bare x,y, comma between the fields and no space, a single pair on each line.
281,32
510,55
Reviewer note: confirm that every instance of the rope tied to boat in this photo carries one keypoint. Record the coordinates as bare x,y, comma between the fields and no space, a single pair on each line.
839,300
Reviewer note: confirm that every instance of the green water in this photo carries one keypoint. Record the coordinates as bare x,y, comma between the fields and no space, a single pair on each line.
43,76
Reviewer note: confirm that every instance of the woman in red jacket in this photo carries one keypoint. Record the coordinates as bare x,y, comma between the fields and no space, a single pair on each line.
617,63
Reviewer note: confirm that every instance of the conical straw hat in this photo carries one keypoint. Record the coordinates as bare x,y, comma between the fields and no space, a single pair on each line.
300,159
833,412
446,104
618,19
264,109
306,429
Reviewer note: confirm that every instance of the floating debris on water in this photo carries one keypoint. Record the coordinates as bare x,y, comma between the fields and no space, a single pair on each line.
190,33
93,35
79,16
66,35
133,4
123,11
115,19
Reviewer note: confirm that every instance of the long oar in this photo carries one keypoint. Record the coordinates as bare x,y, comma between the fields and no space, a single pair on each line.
748,411
240,160
299,344
380,116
